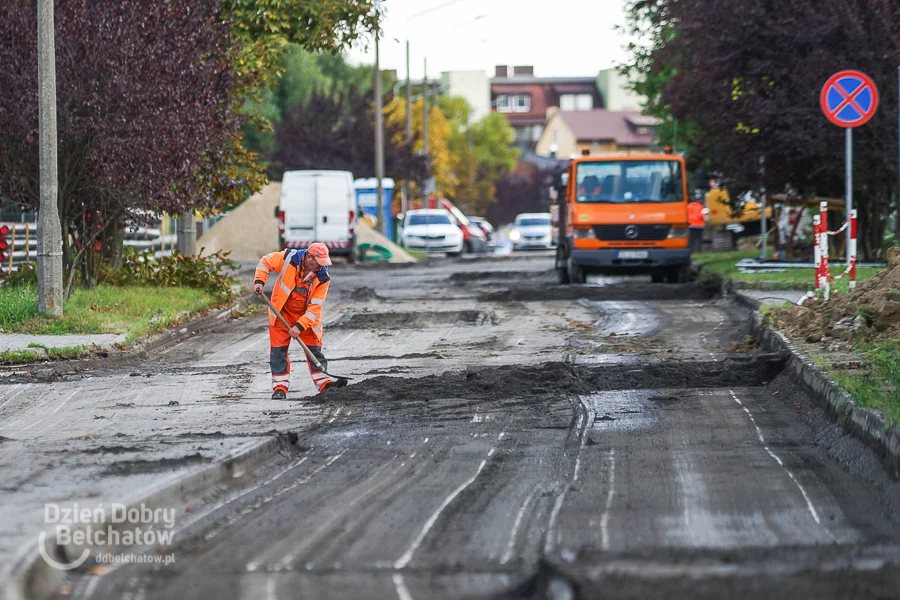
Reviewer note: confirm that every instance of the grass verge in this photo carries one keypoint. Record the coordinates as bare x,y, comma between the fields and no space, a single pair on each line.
135,311
19,357
875,385
723,263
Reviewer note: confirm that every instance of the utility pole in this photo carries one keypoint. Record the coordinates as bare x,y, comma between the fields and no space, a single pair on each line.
425,107
383,225
762,206
406,187
50,267
187,234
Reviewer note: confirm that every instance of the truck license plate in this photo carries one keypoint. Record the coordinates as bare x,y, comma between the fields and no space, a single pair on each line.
626,254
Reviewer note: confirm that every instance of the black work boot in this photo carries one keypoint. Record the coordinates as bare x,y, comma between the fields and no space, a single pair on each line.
279,394
337,383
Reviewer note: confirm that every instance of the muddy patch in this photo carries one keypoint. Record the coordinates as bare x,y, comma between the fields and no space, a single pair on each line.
114,450
363,294
466,276
413,320
560,379
636,292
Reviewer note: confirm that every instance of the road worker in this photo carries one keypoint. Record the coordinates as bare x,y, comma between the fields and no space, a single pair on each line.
697,216
299,294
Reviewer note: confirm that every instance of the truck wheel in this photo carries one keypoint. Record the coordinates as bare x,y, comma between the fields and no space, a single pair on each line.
677,274
576,274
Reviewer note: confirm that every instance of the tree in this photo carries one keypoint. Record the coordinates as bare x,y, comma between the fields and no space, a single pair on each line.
749,73
146,114
443,162
484,150
337,131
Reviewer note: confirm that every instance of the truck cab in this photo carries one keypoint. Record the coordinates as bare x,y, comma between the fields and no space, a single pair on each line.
622,214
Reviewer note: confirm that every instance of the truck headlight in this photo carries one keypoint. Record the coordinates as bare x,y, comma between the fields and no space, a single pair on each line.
679,232
585,234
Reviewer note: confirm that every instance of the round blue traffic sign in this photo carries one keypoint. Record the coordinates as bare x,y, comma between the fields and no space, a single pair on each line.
849,99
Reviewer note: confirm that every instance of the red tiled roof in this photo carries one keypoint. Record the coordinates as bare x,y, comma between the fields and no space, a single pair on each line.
604,125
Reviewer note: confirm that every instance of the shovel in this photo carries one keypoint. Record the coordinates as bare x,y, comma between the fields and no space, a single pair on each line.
309,354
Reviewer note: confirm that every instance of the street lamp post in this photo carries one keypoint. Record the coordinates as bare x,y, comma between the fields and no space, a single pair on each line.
379,146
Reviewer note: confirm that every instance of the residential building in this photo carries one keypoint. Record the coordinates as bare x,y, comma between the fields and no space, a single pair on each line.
525,99
613,87
599,131
474,86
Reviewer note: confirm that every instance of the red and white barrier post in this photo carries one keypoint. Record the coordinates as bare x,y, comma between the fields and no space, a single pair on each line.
817,252
823,246
851,249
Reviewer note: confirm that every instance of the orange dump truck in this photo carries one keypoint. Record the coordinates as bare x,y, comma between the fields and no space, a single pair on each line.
622,214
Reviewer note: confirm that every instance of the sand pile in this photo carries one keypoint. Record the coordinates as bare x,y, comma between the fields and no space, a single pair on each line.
367,235
249,231
869,313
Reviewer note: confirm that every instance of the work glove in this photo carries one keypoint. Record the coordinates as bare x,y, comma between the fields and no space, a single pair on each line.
295,332
258,288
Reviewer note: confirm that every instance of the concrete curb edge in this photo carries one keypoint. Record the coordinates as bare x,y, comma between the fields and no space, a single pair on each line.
867,425
34,579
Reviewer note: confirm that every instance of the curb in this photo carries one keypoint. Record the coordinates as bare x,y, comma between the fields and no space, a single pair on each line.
34,579
867,425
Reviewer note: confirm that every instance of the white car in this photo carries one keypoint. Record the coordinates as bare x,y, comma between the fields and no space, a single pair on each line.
531,230
431,230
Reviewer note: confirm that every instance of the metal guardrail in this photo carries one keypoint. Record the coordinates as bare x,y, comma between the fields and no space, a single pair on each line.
23,242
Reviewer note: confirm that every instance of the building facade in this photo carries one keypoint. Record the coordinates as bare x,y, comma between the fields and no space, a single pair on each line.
524,99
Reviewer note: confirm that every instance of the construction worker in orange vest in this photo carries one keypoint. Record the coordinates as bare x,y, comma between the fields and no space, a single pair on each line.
697,215
299,295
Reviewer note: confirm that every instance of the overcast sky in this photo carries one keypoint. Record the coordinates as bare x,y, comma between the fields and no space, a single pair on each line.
558,37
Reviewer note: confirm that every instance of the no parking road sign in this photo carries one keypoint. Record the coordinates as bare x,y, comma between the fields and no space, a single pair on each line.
849,99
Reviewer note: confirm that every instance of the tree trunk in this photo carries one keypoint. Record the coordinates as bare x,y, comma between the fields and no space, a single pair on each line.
114,245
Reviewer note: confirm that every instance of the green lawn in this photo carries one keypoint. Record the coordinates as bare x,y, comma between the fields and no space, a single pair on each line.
723,264
878,384
134,311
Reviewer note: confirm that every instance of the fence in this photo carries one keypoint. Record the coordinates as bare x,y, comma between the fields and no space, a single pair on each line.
23,241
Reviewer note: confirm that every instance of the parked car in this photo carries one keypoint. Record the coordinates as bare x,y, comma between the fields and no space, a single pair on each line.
318,206
431,230
487,228
531,230
474,238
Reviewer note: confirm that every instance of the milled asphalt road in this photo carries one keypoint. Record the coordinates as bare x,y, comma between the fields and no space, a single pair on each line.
509,438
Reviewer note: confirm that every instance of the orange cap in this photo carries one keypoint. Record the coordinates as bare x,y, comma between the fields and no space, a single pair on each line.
320,252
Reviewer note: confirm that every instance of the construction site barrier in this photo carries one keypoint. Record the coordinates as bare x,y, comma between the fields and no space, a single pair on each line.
824,279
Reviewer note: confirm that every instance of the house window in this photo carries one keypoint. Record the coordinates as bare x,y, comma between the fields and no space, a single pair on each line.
576,102
514,103
536,131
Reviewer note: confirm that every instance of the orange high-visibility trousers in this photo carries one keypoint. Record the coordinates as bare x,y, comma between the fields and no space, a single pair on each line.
280,342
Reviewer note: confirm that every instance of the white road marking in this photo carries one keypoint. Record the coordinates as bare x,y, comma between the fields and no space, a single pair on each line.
245,348
407,556
402,590
344,341
809,504
604,520
270,589
18,385
507,554
54,411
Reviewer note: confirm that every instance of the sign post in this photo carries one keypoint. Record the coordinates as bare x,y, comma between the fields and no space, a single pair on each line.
849,99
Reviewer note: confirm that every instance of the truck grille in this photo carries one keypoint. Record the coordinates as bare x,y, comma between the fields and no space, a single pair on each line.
639,233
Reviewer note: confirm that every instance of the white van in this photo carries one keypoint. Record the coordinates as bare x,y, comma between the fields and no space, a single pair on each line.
318,206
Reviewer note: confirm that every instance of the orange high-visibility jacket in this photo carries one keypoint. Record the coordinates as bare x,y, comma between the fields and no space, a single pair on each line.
696,215
288,264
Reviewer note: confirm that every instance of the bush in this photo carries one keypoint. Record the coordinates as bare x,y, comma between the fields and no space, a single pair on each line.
207,273
25,275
